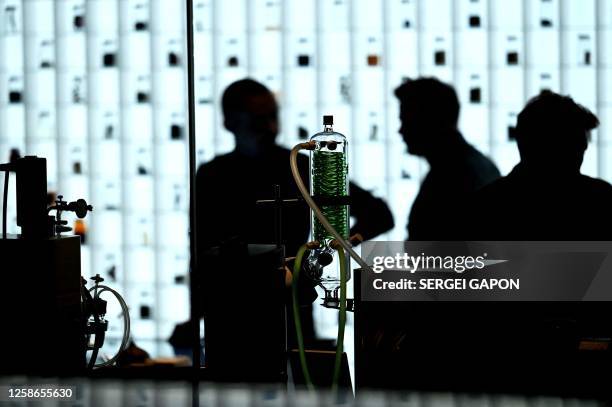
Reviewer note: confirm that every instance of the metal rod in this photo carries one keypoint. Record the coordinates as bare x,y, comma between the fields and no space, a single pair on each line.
193,269
273,201
278,215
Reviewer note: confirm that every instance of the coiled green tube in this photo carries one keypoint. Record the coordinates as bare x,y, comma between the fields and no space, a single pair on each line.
330,174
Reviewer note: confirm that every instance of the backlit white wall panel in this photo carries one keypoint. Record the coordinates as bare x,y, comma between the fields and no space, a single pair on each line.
98,88
345,57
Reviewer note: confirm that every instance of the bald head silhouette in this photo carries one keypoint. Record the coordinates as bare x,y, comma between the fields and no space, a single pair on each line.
250,112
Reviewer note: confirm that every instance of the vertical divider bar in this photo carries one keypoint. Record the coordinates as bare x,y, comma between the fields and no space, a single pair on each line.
193,280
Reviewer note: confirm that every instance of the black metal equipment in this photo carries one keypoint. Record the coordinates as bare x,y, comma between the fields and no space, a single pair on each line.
32,211
40,307
243,304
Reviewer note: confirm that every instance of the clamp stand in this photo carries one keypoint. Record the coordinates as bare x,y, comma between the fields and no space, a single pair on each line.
57,226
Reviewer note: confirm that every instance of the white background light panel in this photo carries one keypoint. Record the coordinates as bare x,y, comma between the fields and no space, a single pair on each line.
401,15
301,15
266,15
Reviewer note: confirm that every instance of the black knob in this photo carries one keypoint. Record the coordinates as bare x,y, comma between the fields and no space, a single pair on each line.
62,229
325,259
80,207
97,279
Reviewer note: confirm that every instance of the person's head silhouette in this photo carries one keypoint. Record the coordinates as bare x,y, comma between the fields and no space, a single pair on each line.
552,134
429,111
250,112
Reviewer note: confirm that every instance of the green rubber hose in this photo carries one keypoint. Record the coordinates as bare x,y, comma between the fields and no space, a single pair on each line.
341,320
296,316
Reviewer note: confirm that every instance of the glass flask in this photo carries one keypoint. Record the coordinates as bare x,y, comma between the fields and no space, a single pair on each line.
329,187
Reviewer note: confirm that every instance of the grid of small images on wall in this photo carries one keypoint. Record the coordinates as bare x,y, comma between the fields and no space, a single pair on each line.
98,88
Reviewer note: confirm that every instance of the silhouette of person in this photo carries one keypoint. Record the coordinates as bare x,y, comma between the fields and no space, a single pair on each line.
229,186
545,197
429,112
